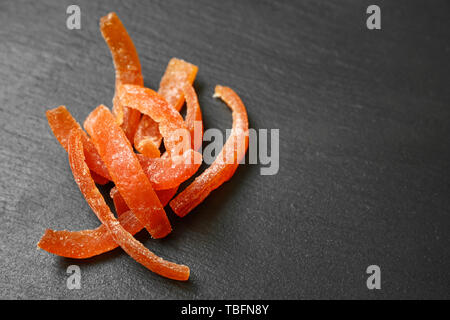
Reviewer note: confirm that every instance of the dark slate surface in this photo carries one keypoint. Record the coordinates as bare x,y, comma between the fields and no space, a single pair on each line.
364,119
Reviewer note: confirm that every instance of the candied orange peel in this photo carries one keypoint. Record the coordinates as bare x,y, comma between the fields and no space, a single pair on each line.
122,148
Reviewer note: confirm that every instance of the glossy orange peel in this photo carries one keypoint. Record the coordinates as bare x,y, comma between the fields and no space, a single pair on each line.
127,67
226,162
126,171
144,183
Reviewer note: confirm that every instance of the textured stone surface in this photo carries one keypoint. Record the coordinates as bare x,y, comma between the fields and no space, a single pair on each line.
364,125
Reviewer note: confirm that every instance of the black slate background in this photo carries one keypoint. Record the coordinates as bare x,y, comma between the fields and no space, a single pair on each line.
364,119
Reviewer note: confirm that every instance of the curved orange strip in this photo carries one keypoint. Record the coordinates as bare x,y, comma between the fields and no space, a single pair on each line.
126,172
127,66
178,72
194,122
62,123
88,243
226,162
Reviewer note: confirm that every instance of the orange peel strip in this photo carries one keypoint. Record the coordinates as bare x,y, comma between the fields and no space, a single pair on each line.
226,162
126,172
194,122
127,66
88,243
178,72
123,238
62,123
